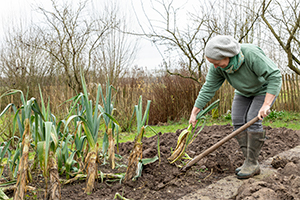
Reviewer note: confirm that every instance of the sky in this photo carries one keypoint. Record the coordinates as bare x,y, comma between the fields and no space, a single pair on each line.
14,11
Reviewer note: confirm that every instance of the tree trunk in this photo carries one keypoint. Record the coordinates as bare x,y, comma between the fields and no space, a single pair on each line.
23,166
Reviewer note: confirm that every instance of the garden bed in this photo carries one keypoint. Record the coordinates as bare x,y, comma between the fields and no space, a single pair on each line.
166,181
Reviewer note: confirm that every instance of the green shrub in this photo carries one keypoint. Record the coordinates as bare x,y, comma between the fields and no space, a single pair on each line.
275,115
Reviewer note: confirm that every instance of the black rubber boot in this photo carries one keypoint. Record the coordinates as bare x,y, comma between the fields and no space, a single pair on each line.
251,166
242,139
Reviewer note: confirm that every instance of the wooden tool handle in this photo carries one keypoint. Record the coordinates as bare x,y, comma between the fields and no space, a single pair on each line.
218,144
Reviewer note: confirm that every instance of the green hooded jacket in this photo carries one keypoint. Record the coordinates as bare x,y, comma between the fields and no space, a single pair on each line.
257,75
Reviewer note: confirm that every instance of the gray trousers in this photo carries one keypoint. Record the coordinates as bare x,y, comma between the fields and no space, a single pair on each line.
246,108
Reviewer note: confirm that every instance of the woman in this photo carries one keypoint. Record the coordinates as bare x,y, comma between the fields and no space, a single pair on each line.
257,83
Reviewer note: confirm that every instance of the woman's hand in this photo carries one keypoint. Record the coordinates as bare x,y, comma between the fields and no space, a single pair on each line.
263,112
193,116
265,109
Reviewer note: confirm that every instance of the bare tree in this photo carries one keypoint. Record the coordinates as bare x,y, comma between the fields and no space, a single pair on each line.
283,20
71,38
117,52
23,66
185,43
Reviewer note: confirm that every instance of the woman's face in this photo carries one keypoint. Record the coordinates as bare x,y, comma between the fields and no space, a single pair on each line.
219,63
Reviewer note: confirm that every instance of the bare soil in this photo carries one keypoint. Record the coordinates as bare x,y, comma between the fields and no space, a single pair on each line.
166,181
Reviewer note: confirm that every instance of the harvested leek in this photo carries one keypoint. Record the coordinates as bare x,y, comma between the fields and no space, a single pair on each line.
187,136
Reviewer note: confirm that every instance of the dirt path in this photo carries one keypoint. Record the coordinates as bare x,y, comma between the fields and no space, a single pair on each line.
279,179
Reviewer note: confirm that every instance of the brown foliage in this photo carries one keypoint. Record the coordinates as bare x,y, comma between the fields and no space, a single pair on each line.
172,98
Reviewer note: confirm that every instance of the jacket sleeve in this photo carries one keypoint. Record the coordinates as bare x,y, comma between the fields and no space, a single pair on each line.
213,82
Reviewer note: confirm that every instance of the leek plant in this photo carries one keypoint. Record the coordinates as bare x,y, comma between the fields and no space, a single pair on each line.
46,141
135,161
77,155
4,196
3,149
90,122
24,125
68,155
111,128
187,136
47,156
13,161
65,157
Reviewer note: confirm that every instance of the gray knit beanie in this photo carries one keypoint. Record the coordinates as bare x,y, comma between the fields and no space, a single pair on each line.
222,46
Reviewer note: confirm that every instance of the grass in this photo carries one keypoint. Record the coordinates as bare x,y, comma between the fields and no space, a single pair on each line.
286,119
276,119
